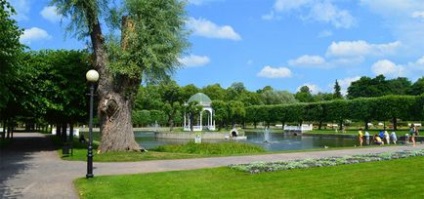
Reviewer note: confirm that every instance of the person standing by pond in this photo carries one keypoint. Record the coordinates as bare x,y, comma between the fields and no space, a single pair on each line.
413,131
367,138
393,137
386,136
360,137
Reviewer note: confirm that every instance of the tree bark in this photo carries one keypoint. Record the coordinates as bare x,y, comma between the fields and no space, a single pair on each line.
115,106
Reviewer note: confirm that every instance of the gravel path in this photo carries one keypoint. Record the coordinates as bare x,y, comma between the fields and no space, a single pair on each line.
31,167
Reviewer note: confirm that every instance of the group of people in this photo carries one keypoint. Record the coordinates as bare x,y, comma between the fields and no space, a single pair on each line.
380,138
383,137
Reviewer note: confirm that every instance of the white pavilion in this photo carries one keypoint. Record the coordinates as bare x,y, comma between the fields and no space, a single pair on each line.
199,125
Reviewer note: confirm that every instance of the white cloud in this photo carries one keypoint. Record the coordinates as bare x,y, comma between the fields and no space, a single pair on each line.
403,20
314,10
421,61
205,28
270,72
361,48
387,68
22,8
391,8
50,13
308,60
269,16
325,33
327,12
34,34
287,5
416,67
194,60
418,14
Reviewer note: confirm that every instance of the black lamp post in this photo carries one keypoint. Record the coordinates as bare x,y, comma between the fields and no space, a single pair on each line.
92,76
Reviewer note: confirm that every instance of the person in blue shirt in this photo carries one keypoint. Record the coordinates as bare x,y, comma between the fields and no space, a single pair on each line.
381,135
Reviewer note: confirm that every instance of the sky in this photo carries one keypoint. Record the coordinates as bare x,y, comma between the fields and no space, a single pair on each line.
285,44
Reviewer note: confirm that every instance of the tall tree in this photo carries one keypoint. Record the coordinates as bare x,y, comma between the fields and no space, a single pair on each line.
277,97
337,91
418,87
369,87
152,36
10,49
171,98
214,91
304,94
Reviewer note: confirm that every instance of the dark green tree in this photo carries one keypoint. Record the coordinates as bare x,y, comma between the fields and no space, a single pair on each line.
337,91
304,95
10,50
418,87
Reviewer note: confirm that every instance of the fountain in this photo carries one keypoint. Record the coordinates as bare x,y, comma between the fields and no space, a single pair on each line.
266,135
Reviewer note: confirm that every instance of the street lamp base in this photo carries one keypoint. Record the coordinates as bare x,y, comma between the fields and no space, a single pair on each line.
89,176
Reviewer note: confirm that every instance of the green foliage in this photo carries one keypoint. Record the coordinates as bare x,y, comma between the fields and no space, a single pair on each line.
141,118
221,112
215,92
304,94
49,92
153,34
81,14
10,49
337,91
418,87
236,111
379,86
223,148
277,97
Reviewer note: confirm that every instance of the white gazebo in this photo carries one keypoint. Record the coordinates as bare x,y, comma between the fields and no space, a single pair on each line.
205,102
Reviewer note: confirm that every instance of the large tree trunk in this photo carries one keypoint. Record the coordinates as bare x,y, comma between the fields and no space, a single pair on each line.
117,130
114,105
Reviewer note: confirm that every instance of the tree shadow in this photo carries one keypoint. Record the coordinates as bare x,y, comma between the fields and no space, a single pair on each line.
16,158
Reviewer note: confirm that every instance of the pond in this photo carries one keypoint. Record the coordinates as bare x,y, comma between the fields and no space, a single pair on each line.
268,140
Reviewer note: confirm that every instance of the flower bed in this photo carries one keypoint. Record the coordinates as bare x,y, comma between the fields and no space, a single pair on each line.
259,167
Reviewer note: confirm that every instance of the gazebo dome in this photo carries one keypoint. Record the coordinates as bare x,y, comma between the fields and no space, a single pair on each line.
203,99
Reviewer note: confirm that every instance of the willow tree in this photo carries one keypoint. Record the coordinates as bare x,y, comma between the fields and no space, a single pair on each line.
144,41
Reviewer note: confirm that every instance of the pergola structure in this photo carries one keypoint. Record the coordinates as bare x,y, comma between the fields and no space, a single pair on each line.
205,102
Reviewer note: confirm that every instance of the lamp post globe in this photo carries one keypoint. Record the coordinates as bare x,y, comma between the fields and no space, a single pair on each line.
92,76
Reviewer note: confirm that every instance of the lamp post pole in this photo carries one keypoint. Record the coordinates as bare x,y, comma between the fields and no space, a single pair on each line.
92,76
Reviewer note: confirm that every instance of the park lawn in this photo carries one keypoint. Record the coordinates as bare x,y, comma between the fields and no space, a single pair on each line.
400,178
178,151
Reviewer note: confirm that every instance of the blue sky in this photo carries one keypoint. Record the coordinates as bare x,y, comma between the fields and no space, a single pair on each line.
285,44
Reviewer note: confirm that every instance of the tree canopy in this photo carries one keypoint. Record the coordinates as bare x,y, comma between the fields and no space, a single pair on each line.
144,42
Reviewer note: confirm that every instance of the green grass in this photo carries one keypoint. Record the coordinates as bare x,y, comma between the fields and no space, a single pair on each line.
223,148
181,151
399,178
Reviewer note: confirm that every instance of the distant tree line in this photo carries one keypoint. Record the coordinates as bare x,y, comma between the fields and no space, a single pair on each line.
49,87
390,108
236,105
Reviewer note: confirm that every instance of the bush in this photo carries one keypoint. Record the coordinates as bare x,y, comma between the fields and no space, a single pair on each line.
223,148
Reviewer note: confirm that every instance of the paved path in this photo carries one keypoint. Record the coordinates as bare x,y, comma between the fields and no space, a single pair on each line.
31,167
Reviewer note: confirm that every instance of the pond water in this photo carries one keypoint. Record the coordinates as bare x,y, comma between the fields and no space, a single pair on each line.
268,140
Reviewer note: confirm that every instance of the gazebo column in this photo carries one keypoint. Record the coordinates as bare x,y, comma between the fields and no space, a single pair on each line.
200,121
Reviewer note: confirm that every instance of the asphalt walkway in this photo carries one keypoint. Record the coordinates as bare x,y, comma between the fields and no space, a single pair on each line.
31,167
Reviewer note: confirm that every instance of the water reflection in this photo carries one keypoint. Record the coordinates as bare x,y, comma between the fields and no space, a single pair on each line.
269,141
